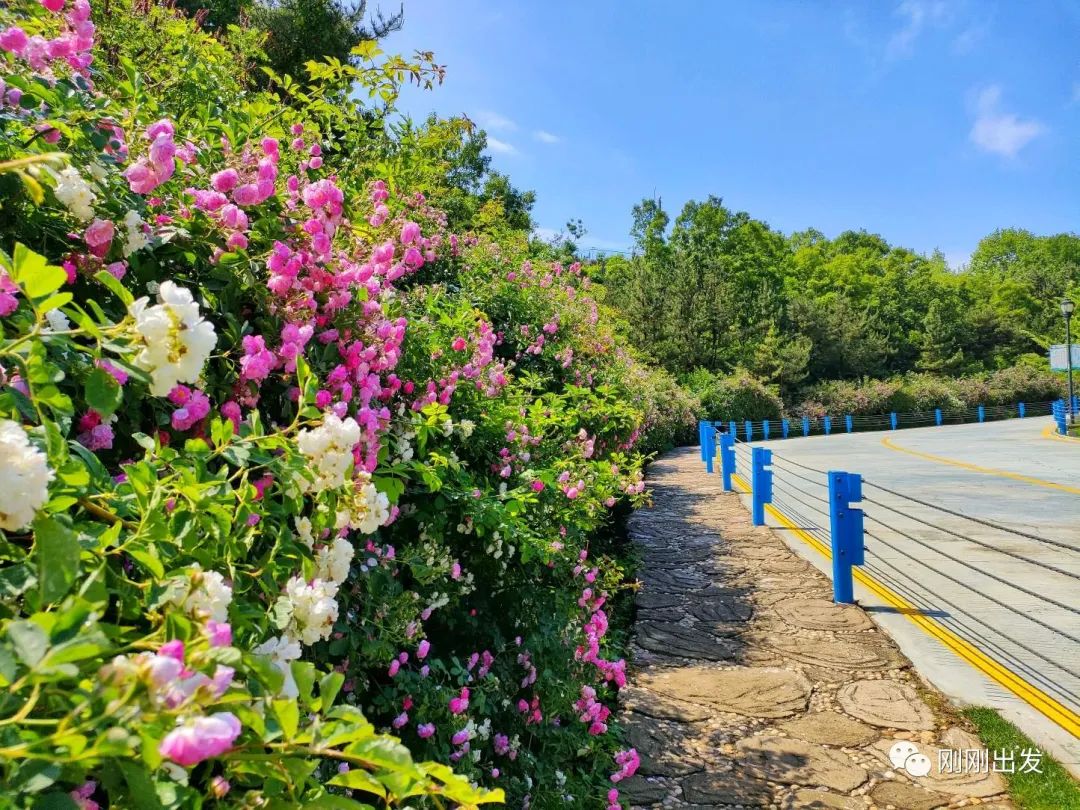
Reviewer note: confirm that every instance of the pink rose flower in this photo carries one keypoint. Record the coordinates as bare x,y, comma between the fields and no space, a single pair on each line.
202,738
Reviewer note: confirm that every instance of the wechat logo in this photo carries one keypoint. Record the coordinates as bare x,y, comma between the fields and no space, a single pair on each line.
906,757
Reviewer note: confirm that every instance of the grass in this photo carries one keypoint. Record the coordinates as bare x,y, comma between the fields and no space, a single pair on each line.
1052,789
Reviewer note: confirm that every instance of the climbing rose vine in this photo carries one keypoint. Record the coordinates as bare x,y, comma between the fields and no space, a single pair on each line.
301,494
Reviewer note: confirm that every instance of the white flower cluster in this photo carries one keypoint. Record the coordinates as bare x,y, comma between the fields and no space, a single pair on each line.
303,530
207,595
366,511
24,477
332,562
75,193
312,607
175,339
136,238
281,652
330,447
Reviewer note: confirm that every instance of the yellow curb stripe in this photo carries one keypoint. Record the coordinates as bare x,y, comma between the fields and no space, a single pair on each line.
1050,432
1027,479
1029,693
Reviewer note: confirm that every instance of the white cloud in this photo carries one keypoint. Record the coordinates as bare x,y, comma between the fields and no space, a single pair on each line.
999,132
917,15
546,137
493,120
502,147
966,40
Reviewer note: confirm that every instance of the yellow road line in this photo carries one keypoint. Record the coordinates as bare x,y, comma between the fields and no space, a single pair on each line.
1027,479
1050,432
1031,694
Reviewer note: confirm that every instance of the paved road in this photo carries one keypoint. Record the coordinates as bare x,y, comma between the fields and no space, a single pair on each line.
1015,598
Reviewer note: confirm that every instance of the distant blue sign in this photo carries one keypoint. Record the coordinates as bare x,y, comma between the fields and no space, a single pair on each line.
1057,357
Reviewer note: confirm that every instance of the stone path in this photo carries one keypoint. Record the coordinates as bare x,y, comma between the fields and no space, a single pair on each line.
751,688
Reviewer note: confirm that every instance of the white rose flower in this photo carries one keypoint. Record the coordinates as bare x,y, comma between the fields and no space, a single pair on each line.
366,511
24,477
75,193
58,322
281,651
135,238
175,340
312,607
332,562
330,446
207,597
303,531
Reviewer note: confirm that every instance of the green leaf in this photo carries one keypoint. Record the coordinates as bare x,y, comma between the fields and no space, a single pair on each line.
288,714
304,675
34,776
148,558
34,274
141,787
55,801
87,645
113,283
329,688
56,301
29,640
359,779
103,392
333,802
383,752
57,550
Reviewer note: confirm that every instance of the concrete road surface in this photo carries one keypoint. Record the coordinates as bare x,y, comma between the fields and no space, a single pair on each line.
1010,590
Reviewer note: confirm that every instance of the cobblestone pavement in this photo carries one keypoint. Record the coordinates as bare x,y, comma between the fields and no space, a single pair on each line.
751,688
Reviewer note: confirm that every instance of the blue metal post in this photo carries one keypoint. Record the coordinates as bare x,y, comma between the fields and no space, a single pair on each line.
1020,408
1059,416
701,438
765,428
806,426
847,422
937,415
828,425
727,459
785,427
749,430
734,429
760,461
892,420
982,414
710,445
846,531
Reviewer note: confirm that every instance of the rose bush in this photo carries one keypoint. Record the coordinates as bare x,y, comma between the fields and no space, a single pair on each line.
304,497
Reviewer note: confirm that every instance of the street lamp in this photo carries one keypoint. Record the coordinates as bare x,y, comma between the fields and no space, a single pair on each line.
1067,307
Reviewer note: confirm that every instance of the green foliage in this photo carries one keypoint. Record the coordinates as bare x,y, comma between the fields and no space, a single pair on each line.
722,291
737,396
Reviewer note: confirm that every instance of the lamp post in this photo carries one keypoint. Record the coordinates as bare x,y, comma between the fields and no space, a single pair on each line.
1067,307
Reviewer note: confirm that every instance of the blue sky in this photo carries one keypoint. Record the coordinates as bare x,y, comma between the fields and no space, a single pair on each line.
931,122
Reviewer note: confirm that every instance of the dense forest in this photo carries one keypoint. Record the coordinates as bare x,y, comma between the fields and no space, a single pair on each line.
722,293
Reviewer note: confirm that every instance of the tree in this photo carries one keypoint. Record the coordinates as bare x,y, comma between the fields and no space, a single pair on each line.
299,31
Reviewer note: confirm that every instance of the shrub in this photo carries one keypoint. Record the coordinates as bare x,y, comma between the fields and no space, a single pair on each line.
737,396
298,489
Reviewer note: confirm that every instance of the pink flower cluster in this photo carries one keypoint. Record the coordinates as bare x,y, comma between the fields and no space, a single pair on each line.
72,46
200,738
158,164
592,711
94,434
628,762
8,290
192,407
